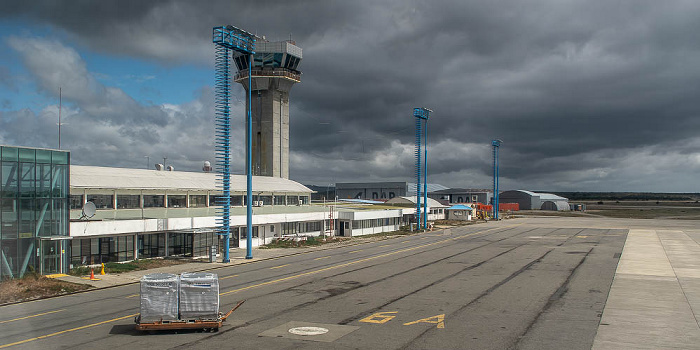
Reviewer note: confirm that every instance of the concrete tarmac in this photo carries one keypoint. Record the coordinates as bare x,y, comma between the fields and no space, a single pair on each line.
654,302
529,283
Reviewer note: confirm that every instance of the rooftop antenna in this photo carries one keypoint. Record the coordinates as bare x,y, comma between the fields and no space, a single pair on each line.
227,40
59,117
88,211
422,115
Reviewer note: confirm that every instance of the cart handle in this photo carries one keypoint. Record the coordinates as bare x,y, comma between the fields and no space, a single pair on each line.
232,310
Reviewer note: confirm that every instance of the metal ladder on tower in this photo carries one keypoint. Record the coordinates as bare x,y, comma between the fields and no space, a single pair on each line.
331,221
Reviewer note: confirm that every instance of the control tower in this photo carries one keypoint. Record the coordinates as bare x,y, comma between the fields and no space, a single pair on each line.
274,71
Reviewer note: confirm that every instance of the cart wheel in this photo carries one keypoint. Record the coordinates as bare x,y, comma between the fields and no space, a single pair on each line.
215,330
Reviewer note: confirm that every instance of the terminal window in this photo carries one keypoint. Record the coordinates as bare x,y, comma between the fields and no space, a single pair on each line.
177,201
153,201
127,201
197,201
102,201
76,201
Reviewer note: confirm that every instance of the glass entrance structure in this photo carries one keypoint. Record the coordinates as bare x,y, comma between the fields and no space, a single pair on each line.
34,211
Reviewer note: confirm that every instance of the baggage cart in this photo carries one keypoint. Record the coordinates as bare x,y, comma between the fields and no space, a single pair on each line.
211,325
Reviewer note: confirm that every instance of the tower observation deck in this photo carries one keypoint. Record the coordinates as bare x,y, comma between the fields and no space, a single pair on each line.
274,71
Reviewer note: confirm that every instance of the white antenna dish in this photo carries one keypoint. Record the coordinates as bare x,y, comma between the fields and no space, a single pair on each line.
171,168
159,167
88,210
207,166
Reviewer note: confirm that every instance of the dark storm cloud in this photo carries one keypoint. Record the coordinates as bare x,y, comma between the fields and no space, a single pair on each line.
578,90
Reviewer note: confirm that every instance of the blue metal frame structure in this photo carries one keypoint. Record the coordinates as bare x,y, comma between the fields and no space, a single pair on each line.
421,114
496,144
227,39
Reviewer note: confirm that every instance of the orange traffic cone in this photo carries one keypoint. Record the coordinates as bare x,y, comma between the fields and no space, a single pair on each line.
92,274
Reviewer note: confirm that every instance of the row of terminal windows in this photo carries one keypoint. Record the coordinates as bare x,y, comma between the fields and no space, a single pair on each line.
290,228
129,201
86,251
369,223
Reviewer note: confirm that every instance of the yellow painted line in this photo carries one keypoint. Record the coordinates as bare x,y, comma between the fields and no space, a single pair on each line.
380,317
323,257
132,296
65,331
355,251
279,267
56,275
439,320
358,261
37,315
424,238
232,276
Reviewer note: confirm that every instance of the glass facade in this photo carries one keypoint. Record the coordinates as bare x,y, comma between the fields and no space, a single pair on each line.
128,201
34,211
153,201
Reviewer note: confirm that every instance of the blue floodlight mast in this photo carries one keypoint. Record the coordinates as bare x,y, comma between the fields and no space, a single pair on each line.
227,39
421,133
496,144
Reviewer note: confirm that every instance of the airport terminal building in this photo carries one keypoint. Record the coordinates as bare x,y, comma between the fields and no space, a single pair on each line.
149,213
33,211
141,213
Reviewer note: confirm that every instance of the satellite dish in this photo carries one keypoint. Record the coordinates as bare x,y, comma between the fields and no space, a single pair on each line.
170,168
88,210
159,167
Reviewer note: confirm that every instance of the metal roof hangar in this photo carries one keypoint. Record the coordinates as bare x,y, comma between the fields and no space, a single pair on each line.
529,200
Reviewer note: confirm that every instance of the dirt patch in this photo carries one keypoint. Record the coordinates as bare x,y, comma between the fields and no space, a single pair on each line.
310,241
628,210
136,265
650,213
439,224
35,287
588,213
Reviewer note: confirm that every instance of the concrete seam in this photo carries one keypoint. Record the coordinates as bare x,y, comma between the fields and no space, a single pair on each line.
680,285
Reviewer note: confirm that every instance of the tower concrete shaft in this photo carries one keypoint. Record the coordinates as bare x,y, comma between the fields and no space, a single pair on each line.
273,74
270,106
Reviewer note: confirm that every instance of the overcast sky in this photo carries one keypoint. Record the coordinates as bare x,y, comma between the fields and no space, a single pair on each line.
586,95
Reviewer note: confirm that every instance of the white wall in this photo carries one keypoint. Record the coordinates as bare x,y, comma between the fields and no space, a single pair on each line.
111,227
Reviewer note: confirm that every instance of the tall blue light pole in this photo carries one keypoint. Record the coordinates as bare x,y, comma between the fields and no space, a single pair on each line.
421,114
227,39
495,144
249,167
425,174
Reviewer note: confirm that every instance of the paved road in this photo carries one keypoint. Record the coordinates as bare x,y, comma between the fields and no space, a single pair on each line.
525,283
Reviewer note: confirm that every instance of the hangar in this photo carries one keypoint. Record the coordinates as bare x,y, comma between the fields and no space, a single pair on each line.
379,190
529,200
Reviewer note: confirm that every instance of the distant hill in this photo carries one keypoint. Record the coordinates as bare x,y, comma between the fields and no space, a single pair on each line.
629,196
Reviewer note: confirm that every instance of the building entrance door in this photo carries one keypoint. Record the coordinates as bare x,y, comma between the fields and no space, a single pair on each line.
51,253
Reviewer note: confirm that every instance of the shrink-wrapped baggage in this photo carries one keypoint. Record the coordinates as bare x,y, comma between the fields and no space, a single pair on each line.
199,295
159,297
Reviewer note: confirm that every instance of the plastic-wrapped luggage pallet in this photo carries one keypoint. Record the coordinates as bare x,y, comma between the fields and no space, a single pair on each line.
159,297
199,295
